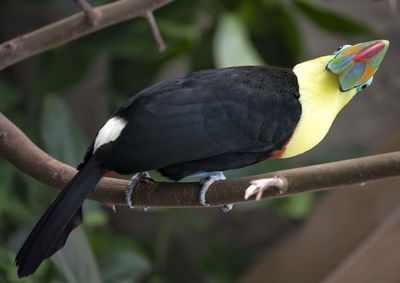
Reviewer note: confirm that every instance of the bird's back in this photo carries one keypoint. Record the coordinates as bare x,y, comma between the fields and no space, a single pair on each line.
205,121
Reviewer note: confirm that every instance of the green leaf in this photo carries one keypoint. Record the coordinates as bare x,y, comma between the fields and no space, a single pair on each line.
123,265
331,21
61,68
290,33
232,46
222,258
10,206
8,270
9,96
297,206
173,29
94,214
273,31
76,260
62,138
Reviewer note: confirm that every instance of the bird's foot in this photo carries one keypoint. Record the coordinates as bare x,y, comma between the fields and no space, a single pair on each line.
133,182
206,183
226,208
258,187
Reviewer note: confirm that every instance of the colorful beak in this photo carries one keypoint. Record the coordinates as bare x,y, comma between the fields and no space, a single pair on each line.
356,64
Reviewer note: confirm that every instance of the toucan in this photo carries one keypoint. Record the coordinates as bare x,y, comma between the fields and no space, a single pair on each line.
206,122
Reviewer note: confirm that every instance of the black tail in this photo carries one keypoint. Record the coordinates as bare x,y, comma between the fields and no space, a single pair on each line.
63,215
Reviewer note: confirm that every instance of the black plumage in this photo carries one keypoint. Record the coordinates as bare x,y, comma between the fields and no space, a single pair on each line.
64,214
206,121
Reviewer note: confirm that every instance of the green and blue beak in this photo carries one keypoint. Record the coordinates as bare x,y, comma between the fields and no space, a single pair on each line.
356,64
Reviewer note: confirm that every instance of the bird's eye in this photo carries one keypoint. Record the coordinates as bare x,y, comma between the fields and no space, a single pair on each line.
338,49
362,87
365,85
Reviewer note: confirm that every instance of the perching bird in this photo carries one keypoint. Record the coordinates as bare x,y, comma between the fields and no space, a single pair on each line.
207,122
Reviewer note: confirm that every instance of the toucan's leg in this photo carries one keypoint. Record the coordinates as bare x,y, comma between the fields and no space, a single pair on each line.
206,183
133,182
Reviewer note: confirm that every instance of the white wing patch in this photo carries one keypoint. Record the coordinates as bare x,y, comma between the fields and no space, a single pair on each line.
110,131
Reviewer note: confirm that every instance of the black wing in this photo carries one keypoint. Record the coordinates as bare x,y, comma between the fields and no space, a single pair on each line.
206,114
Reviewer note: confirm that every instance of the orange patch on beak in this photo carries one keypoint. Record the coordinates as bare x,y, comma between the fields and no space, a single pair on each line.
350,50
368,72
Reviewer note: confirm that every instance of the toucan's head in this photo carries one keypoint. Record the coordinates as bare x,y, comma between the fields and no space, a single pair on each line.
355,65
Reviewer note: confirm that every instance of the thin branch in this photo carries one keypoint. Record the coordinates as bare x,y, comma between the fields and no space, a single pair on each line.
71,28
92,15
16,147
154,29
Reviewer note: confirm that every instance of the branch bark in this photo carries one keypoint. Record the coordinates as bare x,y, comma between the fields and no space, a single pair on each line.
73,27
92,15
18,149
155,31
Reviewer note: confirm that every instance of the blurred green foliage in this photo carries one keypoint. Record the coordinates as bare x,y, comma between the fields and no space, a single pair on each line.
203,33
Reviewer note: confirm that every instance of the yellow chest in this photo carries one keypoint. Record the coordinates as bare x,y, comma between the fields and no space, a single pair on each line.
321,100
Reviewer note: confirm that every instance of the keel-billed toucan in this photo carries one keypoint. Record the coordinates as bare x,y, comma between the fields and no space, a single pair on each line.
207,122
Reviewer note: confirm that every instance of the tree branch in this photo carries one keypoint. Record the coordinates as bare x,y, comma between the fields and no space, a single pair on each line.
73,27
16,147
154,29
92,14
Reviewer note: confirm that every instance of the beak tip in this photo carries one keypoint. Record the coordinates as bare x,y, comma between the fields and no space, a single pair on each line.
385,42
372,49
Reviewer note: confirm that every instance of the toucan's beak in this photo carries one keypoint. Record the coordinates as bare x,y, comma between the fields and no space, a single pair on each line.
356,64
372,50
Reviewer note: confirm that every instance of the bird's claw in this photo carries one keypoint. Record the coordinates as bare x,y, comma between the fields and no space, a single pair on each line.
258,187
226,208
132,183
206,183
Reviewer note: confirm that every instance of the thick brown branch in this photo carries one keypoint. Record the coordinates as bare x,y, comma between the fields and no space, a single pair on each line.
27,157
73,27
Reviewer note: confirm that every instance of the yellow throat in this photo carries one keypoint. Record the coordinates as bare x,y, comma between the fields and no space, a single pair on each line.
321,100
